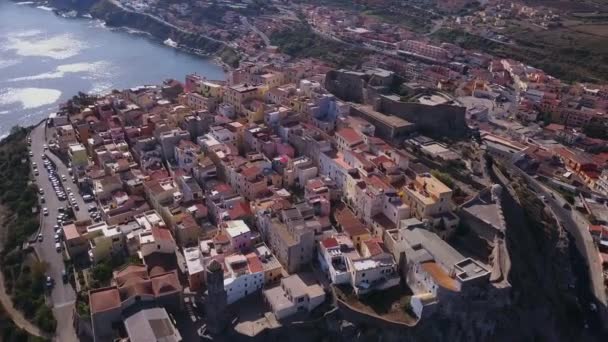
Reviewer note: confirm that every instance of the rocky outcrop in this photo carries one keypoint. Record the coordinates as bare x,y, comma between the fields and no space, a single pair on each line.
115,15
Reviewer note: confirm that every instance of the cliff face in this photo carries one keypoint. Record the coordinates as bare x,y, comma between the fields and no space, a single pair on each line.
78,5
116,16
539,306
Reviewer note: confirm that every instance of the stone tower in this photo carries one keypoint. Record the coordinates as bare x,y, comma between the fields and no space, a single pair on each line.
216,303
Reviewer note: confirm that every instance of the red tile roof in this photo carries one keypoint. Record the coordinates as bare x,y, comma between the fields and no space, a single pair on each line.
240,210
221,238
374,246
104,299
330,243
349,135
129,272
162,234
440,276
255,265
250,171
165,283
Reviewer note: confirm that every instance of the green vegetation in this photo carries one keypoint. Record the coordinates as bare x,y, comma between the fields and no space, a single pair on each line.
300,41
230,57
116,16
561,53
11,333
24,277
443,178
399,13
101,273
596,130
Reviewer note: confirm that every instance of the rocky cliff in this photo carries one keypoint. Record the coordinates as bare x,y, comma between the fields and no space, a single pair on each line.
116,16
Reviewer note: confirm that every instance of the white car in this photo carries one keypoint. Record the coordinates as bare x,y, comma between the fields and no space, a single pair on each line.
45,211
57,238
58,246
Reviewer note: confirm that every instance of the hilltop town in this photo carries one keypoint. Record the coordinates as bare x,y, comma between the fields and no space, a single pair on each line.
365,182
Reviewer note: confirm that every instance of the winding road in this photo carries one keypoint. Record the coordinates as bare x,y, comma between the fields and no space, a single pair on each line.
262,35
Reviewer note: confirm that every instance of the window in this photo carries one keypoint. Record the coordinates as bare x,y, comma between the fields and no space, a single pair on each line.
363,274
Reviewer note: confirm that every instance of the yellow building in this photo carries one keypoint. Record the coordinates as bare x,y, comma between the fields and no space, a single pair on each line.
78,155
237,95
427,196
209,89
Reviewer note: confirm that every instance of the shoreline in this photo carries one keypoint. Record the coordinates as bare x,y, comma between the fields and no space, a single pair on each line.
76,14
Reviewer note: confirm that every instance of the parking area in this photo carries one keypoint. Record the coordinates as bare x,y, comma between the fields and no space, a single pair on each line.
57,195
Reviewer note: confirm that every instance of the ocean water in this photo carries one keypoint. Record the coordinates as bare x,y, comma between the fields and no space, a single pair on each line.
45,59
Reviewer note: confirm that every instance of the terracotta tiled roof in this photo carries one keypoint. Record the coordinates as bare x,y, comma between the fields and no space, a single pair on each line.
104,299
250,171
165,283
255,265
130,272
141,288
349,135
440,276
221,238
374,246
240,210
330,242
162,234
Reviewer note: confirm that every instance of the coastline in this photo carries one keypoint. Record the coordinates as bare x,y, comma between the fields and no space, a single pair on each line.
76,13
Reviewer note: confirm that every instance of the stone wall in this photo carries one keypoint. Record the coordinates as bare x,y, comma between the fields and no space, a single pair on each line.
438,120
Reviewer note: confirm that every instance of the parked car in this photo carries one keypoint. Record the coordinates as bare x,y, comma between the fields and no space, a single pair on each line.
45,211
64,276
58,246
49,282
40,237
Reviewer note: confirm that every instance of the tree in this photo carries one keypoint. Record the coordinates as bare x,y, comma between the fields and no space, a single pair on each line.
443,178
44,319
102,272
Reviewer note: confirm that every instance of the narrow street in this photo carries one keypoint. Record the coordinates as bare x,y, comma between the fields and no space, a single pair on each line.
62,296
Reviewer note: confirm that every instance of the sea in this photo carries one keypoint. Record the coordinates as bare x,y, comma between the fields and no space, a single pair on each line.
46,59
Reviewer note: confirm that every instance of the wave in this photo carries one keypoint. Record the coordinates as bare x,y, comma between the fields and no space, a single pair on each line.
29,98
32,44
45,8
24,3
95,68
8,63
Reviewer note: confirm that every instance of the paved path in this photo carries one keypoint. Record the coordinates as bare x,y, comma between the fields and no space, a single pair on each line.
16,315
62,296
262,35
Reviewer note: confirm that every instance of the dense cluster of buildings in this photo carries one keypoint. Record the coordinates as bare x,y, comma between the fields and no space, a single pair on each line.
247,183
228,189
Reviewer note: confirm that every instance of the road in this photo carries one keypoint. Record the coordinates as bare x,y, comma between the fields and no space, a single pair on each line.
262,35
578,227
163,21
62,296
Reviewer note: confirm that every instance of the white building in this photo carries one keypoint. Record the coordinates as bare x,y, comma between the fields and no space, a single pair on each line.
294,295
243,275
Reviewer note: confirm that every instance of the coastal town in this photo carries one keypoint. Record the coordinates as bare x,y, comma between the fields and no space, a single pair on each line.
391,185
